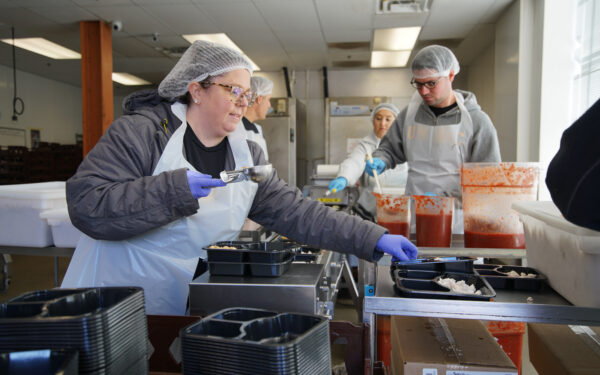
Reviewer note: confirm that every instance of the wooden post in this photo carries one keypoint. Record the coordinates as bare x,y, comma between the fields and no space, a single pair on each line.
96,81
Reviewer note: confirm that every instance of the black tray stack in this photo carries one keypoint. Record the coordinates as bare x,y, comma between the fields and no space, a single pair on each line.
40,362
107,326
253,341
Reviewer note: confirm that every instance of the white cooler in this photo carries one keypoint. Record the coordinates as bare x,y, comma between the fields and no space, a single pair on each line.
64,234
20,208
568,254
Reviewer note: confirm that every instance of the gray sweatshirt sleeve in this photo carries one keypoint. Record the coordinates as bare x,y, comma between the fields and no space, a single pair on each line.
484,144
282,208
391,147
113,195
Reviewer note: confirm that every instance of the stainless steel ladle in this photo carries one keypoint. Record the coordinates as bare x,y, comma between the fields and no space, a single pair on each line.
256,174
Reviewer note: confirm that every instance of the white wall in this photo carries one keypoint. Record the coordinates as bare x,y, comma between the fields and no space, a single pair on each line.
480,81
50,106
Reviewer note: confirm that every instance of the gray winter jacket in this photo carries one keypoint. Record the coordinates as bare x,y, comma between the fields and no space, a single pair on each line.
483,146
113,195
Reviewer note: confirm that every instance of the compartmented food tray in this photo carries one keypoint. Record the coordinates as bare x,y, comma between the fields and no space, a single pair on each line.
252,341
511,277
250,269
437,264
254,252
40,362
107,326
426,284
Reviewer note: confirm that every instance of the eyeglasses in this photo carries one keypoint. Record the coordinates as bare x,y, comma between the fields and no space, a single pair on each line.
237,92
429,84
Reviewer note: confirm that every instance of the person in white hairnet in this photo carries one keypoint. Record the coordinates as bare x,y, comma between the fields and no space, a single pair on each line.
263,88
353,167
148,197
439,130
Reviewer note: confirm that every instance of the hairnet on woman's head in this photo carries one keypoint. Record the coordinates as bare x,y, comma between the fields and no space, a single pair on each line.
434,61
200,60
261,85
389,106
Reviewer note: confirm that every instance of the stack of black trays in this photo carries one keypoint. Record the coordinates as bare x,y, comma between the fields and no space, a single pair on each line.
252,341
263,259
419,278
107,326
40,362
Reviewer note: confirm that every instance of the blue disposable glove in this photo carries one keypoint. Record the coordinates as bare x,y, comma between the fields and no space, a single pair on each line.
338,184
377,165
399,247
201,183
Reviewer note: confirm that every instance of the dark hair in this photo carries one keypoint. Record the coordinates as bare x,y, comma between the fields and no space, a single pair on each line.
187,97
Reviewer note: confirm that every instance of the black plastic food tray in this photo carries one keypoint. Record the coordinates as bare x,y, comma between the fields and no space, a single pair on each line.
40,362
254,341
107,326
423,284
254,252
307,254
250,269
497,276
437,264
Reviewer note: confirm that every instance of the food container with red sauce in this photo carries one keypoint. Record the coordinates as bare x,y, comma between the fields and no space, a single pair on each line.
433,216
393,211
489,189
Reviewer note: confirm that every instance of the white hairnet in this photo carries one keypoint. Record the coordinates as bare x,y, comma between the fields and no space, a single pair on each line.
200,60
434,61
389,106
261,86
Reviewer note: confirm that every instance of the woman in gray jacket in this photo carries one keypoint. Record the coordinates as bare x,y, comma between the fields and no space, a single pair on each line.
148,196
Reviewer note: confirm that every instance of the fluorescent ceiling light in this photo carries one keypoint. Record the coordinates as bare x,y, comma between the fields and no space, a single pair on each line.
128,79
44,47
220,39
397,39
389,59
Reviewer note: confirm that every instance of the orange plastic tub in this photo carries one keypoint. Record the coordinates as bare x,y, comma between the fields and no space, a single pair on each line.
510,338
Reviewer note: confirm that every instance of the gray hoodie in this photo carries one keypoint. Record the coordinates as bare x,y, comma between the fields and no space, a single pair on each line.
113,195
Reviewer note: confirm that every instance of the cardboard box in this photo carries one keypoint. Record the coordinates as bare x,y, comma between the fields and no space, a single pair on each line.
433,346
565,350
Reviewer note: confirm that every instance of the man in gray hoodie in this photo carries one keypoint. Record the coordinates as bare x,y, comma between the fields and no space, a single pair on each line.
438,131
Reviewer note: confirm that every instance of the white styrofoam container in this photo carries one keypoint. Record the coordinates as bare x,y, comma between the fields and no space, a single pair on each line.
20,207
568,254
64,234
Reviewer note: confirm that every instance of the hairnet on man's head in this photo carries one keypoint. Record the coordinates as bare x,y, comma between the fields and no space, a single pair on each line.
200,60
434,61
389,106
261,85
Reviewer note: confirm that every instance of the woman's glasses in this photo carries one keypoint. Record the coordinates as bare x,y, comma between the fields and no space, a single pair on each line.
237,92
429,84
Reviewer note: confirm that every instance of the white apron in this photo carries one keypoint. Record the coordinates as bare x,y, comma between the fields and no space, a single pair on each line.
163,260
435,155
258,138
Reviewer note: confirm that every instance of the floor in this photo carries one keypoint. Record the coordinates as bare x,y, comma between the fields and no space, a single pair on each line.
30,273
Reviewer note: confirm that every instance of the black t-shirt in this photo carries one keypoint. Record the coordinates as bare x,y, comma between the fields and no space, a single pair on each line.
208,160
441,111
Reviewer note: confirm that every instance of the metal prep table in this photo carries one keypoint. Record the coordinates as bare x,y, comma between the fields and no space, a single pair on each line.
545,306
40,251
305,288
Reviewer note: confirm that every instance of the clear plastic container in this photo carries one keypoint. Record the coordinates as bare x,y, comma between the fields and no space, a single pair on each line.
393,212
434,220
489,189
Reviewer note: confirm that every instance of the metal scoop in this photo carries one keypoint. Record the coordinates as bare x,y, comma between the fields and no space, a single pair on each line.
256,174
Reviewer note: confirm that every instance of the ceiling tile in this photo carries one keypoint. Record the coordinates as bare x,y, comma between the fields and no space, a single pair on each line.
333,36
135,20
345,14
442,24
132,47
289,15
64,15
103,3
183,18
239,17
302,42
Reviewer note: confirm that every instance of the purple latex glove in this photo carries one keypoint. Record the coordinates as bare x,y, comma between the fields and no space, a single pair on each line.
399,247
201,183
